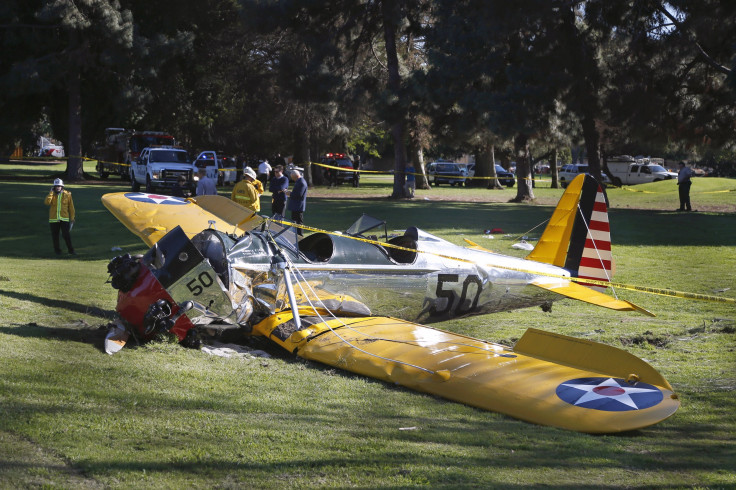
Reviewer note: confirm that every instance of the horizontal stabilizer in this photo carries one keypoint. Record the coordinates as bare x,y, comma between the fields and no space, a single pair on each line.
582,293
475,246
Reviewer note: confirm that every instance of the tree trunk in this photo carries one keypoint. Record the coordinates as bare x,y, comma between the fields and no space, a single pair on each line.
553,170
418,164
485,166
592,145
389,11
524,190
74,168
302,156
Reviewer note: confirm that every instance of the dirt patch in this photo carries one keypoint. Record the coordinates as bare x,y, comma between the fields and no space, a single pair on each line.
658,341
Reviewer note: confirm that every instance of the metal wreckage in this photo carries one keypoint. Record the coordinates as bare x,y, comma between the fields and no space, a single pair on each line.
359,302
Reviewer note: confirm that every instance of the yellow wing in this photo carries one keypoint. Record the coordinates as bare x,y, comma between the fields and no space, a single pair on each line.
541,380
151,216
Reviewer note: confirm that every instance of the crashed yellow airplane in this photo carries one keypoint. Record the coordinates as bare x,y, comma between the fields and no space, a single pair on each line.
354,302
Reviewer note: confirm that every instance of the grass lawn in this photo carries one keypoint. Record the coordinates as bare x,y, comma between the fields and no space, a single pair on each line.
162,416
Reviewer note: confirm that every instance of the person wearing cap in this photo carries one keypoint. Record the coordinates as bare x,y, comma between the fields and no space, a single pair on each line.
246,192
297,202
61,215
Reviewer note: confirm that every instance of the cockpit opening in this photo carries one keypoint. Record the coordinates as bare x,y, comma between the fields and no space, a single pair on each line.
317,247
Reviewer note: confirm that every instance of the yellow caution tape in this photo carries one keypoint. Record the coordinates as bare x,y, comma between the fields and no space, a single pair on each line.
391,172
614,285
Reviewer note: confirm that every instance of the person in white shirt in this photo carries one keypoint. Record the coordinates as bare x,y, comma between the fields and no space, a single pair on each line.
264,171
206,185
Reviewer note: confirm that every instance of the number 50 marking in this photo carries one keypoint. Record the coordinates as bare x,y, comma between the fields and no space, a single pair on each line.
463,306
203,280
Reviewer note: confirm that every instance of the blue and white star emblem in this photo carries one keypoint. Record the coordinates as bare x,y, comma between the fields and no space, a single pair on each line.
155,198
609,394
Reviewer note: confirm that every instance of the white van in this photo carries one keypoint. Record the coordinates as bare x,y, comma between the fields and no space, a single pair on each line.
628,172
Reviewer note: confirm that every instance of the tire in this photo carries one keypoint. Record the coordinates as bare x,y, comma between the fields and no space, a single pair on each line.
104,175
617,182
134,185
510,184
563,184
149,186
657,180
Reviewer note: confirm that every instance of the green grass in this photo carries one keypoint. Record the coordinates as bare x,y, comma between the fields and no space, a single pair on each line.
162,416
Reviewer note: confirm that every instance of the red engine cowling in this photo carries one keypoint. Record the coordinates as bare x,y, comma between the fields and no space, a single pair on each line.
134,304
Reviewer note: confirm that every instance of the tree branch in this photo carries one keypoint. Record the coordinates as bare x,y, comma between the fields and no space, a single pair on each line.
713,63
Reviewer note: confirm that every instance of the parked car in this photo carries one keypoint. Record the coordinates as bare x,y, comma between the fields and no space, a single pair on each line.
343,161
447,172
504,176
569,172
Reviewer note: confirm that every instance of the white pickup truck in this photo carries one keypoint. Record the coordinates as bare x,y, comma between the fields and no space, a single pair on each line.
628,172
214,163
160,168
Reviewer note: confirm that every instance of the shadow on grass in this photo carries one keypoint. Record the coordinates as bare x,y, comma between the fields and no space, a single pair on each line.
58,303
77,332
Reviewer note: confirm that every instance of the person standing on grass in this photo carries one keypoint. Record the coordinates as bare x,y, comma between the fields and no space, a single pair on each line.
264,172
297,199
180,189
278,186
246,191
61,215
205,185
411,181
683,182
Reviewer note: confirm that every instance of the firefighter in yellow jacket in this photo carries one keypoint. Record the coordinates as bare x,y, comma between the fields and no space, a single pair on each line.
61,215
248,191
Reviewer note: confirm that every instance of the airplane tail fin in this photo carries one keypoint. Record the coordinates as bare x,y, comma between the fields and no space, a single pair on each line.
578,235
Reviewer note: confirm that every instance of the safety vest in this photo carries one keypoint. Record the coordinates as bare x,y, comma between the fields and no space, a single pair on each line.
61,206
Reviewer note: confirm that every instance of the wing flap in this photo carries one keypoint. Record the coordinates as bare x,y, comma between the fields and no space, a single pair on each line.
583,293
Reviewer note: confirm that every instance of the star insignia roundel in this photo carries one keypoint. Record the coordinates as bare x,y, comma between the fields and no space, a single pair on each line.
155,198
609,394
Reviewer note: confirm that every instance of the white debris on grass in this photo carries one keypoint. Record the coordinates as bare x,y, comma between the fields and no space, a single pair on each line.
232,350
523,245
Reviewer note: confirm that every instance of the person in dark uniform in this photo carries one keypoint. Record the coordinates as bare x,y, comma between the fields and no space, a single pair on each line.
683,182
297,203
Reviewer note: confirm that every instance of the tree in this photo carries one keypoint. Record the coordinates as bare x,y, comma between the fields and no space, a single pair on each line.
493,69
61,47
